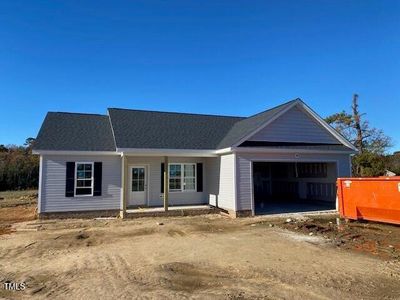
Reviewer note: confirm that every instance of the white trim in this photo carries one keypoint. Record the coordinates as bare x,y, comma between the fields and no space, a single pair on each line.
76,179
245,138
253,210
56,152
124,164
224,151
182,190
40,184
168,152
235,192
328,127
188,153
295,160
136,152
288,150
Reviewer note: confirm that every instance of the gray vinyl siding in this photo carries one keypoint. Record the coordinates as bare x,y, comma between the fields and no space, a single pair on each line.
53,184
154,181
296,125
226,192
244,170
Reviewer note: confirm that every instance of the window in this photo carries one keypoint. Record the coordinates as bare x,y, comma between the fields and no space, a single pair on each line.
84,179
189,178
138,179
175,177
182,177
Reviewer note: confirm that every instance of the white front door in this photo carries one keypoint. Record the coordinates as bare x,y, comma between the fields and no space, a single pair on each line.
137,185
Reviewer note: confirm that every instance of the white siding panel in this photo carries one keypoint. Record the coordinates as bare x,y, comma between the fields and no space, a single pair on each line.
226,196
53,185
244,161
296,125
244,182
154,186
212,168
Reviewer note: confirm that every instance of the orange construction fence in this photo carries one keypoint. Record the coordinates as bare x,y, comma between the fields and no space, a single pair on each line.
375,199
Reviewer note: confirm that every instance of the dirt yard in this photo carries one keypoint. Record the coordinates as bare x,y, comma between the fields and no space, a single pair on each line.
200,257
16,206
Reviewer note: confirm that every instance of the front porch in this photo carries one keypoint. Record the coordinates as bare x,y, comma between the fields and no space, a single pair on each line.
155,185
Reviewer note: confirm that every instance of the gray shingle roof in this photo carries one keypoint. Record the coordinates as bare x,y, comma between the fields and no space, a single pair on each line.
126,128
164,130
75,132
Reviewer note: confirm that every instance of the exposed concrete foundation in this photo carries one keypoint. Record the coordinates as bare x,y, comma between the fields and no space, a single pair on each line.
79,214
175,212
244,213
237,214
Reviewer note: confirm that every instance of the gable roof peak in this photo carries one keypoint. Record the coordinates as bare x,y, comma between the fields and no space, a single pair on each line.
277,107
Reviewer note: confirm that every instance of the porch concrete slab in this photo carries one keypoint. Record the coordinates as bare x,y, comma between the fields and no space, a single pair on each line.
186,210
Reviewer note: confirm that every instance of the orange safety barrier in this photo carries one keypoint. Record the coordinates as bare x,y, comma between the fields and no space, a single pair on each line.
375,199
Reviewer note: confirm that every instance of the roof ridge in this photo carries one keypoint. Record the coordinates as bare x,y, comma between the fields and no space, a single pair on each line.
275,107
178,113
76,113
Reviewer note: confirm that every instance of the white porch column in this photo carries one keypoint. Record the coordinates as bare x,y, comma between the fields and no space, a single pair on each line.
124,176
166,183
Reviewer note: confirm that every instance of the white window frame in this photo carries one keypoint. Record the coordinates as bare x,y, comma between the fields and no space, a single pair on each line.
76,179
182,189
169,178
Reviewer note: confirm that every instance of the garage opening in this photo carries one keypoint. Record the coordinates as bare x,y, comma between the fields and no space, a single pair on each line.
283,187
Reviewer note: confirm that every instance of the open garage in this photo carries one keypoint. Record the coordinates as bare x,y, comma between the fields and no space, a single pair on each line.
287,187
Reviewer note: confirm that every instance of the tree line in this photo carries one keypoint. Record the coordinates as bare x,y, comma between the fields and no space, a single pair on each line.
19,168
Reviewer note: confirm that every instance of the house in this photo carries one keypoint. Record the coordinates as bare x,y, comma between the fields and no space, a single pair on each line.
104,164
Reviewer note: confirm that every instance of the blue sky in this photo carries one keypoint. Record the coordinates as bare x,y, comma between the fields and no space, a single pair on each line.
217,57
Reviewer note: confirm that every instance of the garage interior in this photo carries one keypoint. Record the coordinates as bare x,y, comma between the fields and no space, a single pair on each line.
289,187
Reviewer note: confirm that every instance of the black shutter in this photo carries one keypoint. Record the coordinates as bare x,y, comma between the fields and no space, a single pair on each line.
199,172
97,178
70,179
162,177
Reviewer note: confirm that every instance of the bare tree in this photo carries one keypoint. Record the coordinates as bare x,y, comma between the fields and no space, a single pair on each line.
371,142
358,131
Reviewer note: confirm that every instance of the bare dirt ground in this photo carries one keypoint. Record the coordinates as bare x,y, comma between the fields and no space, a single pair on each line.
377,239
198,257
16,206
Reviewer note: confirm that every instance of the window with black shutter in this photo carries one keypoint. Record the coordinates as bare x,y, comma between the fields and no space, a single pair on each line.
199,172
98,178
70,179
84,178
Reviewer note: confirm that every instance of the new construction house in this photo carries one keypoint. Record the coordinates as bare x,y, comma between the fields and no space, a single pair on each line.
286,158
